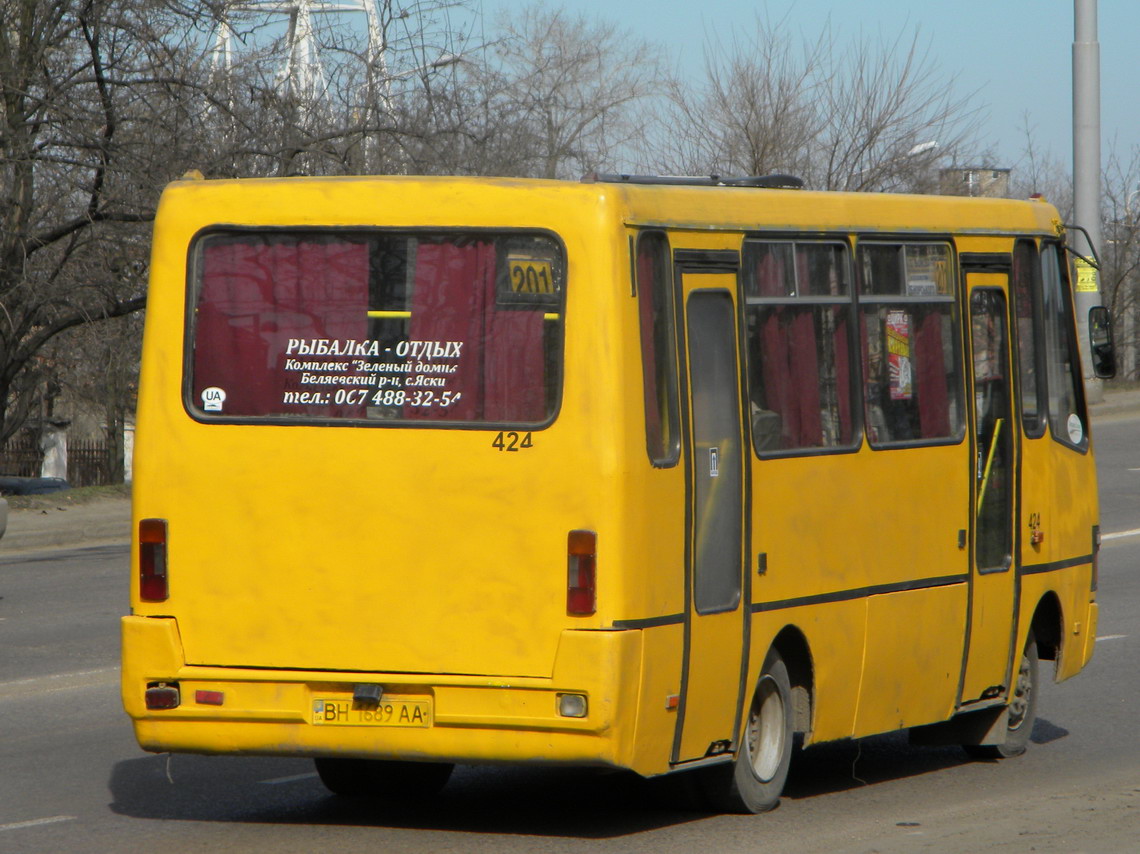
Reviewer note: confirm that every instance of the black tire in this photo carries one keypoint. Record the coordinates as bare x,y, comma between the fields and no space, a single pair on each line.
754,781
1022,710
382,778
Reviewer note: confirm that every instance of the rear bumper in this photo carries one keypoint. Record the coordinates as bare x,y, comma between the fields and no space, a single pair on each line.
473,719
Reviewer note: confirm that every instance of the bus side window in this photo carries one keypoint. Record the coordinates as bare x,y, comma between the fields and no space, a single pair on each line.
1028,322
1068,421
799,326
912,382
658,349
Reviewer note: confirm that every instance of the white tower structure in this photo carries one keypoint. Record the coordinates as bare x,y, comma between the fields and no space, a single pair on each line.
303,81
301,75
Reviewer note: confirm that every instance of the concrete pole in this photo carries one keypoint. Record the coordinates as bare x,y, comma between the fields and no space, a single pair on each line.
1086,171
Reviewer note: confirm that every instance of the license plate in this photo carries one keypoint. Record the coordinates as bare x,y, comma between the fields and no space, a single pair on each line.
389,712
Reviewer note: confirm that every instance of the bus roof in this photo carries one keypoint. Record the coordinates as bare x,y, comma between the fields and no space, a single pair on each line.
411,201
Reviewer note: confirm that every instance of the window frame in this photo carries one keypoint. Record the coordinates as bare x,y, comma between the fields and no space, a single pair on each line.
954,299
1076,371
192,293
667,371
848,301
1036,331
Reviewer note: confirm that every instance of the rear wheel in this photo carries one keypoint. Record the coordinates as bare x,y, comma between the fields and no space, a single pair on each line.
382,778
753,783
1022,710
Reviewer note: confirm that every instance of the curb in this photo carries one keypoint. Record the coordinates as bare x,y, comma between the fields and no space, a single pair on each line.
92,535
1113,412
93,525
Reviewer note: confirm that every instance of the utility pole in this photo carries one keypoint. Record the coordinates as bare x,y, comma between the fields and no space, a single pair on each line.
1086,173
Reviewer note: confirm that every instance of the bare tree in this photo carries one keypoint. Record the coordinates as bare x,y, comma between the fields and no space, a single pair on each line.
753,113
102,102
81,153
1120,256
355,110
892,115
1039,173
556,95
94,371
862,117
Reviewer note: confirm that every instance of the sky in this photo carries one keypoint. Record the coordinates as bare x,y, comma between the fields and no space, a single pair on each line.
1015,54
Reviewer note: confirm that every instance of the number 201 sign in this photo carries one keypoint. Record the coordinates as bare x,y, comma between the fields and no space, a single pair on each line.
530,276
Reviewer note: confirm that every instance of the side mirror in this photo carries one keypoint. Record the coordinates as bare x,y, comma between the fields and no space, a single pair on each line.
1100,343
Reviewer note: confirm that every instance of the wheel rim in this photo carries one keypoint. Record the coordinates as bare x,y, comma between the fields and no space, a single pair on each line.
1019,705
766,731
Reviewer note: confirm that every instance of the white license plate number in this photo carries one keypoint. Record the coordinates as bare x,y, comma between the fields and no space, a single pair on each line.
336,711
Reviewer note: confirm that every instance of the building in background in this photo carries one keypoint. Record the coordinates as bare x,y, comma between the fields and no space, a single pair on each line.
974,181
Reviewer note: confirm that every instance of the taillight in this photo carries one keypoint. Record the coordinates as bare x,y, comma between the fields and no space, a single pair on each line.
153,584
160,695
581,573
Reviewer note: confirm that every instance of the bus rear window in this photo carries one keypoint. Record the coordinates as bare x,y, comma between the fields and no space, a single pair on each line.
457,327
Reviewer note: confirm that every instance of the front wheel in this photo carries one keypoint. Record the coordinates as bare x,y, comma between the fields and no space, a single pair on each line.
1022,711
382,778
754,782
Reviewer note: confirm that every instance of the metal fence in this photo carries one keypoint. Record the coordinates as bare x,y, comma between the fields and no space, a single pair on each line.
89,462
21,456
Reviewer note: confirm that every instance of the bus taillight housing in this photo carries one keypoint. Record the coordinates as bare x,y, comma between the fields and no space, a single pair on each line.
581,573
153,583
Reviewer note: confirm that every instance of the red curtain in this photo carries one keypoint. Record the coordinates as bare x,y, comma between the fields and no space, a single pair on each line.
500,372
789,359
930,378
255,297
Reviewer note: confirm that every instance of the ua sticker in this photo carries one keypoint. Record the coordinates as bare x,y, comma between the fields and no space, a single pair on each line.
213,399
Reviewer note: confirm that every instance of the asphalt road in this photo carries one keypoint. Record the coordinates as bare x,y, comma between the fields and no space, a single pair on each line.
72,778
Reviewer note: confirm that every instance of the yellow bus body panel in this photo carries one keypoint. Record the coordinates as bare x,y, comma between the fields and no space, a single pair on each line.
360,545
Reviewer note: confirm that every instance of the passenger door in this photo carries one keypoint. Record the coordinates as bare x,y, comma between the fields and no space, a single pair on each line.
716,623
1058,481
992,621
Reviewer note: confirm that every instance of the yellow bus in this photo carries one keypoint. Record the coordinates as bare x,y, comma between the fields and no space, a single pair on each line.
649,474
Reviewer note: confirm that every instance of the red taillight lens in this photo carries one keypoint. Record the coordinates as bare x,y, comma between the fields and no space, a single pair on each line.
581,573
163,696
153,585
